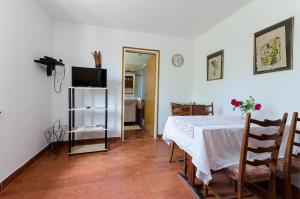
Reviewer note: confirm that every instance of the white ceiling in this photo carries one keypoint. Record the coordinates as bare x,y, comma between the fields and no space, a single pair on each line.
188,18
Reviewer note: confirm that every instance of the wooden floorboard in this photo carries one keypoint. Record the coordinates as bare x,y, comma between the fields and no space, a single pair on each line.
136,135
129,170
20,170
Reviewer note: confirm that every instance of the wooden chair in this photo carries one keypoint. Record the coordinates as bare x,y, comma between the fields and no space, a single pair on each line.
255,171
288,169
258,170
180,109
186,110
200,109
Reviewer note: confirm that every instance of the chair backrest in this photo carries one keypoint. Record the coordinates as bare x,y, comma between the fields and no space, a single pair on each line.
273,149
180,109
289,154
200,109
191,109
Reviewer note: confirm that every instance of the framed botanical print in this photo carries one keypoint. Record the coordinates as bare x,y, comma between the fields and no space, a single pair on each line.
215,64
273,48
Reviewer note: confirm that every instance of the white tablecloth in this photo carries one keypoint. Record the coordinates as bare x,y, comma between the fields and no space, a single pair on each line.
213,142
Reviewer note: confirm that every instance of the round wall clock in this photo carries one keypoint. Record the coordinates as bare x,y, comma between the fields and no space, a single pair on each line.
177,60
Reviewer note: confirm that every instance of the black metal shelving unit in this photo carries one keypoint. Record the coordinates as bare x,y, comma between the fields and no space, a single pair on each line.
79,149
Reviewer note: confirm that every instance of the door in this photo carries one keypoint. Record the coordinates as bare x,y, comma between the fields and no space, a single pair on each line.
149,111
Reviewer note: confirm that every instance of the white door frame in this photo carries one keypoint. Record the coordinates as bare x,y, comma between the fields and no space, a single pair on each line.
156,111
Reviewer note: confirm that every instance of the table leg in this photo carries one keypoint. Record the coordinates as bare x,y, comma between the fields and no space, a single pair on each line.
188,176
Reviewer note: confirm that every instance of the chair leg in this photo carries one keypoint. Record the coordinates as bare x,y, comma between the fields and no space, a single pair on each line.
205,190
272,187
185,163
240,190
287,189
234,184
172,151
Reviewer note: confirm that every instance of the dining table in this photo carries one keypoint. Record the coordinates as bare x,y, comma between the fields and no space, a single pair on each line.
214,142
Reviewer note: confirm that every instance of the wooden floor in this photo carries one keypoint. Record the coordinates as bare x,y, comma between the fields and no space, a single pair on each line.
133,169
136,135
130,170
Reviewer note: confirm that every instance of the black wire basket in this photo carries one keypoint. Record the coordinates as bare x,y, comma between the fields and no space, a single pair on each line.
55,136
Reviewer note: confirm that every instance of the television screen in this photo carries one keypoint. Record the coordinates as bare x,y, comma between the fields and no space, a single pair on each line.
89,77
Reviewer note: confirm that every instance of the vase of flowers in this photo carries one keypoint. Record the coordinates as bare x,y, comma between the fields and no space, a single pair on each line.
246,106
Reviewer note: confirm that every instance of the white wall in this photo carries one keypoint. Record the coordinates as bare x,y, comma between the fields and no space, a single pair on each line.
25,91
276,91
74,44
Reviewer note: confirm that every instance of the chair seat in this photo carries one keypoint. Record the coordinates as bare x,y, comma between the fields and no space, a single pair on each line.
280,166
295,176
253,173
295,180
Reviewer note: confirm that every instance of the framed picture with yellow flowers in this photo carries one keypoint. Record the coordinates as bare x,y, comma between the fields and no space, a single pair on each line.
273,48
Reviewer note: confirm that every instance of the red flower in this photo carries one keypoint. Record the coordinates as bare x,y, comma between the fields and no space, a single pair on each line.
233,102
257,107
237,103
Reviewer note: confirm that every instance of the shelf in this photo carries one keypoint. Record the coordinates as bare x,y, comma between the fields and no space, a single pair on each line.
88,109
87,149
81,128
89,88
87,129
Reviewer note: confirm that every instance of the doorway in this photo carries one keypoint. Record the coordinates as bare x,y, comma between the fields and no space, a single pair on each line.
140,85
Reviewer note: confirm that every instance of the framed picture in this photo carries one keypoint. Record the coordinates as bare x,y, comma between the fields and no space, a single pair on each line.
273,48
215,64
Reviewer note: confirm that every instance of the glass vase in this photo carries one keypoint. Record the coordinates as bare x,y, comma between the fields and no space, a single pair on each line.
243,115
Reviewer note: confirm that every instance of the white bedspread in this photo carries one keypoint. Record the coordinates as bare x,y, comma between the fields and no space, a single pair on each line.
213,142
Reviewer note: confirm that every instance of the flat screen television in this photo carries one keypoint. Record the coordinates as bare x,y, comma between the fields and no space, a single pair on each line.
89,77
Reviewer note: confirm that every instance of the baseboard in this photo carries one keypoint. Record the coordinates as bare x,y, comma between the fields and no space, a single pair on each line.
20,170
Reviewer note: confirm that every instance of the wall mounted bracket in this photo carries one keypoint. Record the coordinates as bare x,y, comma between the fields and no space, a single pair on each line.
50,63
